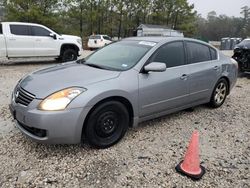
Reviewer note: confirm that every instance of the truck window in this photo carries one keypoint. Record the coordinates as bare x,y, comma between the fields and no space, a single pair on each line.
20,29
39,31
1,29
107,38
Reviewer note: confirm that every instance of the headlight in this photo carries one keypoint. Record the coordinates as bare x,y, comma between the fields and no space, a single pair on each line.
79,41
60,100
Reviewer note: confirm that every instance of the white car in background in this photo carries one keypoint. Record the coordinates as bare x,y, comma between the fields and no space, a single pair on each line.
28,40
98,41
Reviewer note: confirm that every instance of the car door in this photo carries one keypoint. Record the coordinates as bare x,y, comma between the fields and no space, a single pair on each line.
161,91
45,45
203,71
107,39
19,41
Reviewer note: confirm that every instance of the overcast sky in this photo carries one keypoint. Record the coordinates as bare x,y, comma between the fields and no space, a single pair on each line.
227,7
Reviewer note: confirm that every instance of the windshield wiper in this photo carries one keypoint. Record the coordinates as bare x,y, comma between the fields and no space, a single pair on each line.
94,65
81,61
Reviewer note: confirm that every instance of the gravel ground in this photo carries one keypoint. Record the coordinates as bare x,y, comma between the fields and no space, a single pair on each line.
147,155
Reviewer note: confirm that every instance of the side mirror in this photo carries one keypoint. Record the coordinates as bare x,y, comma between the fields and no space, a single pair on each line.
155,67
53,35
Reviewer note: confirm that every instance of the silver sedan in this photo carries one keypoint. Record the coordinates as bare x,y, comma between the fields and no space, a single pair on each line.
96,99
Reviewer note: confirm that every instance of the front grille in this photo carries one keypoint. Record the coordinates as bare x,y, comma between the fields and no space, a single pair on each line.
23,97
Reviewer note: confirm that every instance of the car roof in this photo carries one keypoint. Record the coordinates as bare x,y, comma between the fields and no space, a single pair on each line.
165,39
22,23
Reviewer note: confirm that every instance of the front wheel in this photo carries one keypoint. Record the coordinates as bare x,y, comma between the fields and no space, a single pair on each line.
107,124
69,55
219,94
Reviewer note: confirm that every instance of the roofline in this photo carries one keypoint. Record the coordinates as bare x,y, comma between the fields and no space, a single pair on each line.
21,23
167,39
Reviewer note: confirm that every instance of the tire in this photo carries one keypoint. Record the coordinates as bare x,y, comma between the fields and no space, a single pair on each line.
59,59
106,125
69,55
219,94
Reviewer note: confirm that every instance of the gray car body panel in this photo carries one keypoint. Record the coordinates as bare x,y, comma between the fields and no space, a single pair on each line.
150,95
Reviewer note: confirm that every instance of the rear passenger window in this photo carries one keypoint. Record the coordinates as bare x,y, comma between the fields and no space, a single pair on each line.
1,29
39,31
107,38
213,54
197,52
172,54
20,29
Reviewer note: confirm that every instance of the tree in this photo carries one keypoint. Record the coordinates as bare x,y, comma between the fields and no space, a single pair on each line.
114,17
216,26
246,21
38,11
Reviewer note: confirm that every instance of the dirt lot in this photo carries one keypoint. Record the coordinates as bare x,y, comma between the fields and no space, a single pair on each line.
146,157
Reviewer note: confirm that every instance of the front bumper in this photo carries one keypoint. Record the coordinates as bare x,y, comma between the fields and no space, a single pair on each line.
52,127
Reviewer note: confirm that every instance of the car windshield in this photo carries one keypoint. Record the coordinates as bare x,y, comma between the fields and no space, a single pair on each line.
119,56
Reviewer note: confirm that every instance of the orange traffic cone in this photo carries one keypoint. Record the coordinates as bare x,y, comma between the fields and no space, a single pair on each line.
191,165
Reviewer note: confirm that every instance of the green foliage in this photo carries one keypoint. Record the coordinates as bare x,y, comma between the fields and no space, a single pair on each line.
216,27
113,17
36,11
246,21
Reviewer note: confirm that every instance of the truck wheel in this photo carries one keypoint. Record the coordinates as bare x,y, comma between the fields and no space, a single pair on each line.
69,55
59,59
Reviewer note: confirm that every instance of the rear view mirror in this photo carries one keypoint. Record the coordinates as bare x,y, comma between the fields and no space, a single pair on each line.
155,67
53,35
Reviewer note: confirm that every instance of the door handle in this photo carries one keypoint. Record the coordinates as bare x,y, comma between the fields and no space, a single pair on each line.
38,40
12,39
184,77
216,67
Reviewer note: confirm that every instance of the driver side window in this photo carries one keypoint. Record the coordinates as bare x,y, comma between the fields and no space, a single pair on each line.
39,31
172,54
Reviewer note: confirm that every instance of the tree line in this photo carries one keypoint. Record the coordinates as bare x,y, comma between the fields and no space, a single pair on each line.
114,17
121,17
215,27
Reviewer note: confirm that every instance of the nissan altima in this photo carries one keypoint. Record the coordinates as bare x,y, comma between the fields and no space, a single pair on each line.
96,99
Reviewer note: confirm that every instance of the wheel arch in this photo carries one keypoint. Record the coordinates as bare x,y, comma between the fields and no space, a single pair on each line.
120,99
69,46
228,83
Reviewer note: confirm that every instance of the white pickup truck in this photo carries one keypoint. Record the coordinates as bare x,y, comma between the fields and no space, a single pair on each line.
26,40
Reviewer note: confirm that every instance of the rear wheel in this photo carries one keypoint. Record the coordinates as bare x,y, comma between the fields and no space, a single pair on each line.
107,124
219,94
69,55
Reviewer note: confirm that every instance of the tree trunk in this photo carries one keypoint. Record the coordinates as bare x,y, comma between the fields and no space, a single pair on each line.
91,19
120,25
81,21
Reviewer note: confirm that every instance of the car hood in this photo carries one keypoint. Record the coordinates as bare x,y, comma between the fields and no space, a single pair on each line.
44,82
243,45
70,37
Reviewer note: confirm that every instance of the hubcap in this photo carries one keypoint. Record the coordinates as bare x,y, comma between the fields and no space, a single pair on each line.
106,124
220,93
